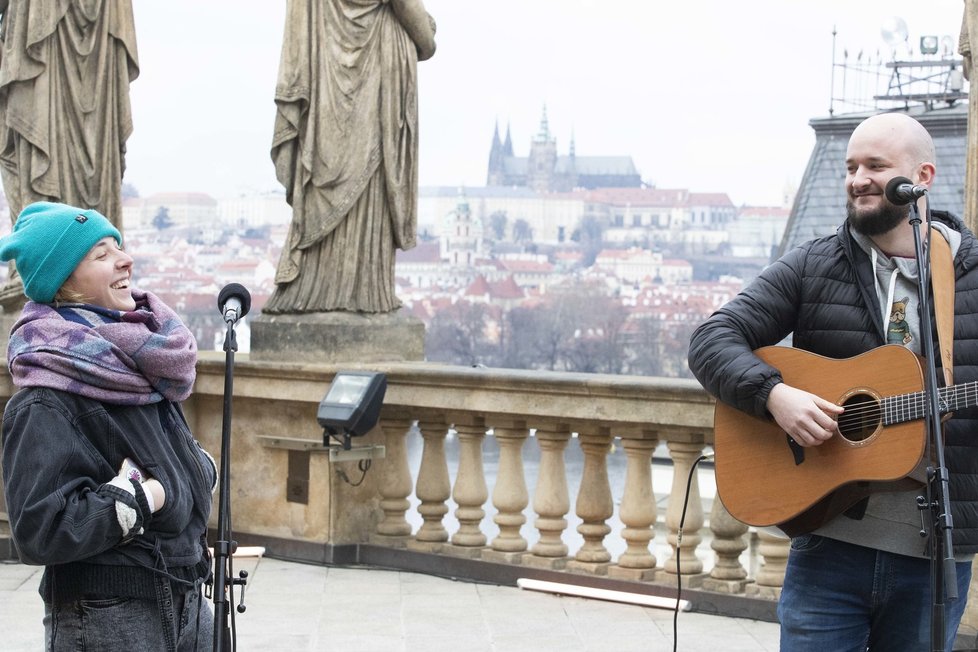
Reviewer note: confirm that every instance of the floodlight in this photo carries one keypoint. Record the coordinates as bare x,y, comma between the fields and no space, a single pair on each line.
929,44
352,404
894,31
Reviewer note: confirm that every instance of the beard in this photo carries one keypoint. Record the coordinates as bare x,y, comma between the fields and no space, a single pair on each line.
877,221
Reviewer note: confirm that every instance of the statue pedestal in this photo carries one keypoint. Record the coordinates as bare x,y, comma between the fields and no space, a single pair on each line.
332,337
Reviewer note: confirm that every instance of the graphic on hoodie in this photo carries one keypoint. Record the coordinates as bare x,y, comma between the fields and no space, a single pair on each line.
898,331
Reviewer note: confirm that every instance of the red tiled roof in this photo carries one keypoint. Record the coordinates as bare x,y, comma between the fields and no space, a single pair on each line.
506,289
479,287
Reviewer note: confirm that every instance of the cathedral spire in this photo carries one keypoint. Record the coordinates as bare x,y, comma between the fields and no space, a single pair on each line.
544,134
496,156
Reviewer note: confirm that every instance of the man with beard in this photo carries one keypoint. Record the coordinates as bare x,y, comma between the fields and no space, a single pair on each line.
862,579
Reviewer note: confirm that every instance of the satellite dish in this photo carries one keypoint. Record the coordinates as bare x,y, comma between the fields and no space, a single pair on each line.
894,31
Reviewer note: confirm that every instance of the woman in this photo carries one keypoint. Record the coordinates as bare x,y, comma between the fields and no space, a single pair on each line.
105,485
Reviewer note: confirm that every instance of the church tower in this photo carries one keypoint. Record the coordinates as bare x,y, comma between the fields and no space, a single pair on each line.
461,242
542,162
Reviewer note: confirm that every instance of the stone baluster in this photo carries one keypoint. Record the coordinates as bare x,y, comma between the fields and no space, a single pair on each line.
594,505
470,492
510,496
638,511
433,487
396,485
728,574
684,454
773,550
551,500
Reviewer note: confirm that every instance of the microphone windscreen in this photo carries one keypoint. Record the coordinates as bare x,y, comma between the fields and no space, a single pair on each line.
892,190
237,291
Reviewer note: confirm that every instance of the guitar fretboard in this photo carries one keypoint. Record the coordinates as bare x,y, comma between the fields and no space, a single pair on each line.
909,407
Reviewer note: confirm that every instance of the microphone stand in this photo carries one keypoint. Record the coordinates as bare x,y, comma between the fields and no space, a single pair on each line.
944,582
224,546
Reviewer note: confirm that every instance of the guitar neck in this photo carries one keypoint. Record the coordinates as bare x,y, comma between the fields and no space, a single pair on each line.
909,407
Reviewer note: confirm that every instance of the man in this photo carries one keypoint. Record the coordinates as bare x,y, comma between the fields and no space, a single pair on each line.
862,579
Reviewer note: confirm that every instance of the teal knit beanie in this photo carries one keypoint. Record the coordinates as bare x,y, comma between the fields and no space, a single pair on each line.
48,242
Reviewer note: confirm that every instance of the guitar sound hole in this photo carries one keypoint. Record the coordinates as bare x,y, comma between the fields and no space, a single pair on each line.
861,419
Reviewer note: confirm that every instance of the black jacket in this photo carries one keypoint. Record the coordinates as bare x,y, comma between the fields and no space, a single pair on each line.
824,293
60,450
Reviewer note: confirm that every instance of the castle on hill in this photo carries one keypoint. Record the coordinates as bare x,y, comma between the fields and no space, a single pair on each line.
546,171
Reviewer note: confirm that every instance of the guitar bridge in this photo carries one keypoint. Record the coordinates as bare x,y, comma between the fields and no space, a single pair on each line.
797,451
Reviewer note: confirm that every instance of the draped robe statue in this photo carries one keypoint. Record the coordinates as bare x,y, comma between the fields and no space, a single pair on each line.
65,68
345,147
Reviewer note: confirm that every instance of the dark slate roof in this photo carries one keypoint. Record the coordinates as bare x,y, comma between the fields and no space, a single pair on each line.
585,165
598,165
477,192
819,206
515,165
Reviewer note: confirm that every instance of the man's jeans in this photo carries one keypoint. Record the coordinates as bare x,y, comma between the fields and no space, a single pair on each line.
842,597
177,621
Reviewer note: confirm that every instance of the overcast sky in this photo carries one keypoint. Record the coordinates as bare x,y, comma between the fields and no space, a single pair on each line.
709,95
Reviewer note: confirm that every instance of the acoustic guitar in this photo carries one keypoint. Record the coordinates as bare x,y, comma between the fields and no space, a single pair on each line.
764,478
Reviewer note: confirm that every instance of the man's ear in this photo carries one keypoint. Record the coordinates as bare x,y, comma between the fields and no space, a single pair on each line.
925,174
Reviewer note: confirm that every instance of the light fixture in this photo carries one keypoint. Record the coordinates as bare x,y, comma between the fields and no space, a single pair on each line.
351,406
929,44
894,31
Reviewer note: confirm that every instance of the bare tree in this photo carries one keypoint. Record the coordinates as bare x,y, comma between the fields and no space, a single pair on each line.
522,232
497,225
457,335
590,235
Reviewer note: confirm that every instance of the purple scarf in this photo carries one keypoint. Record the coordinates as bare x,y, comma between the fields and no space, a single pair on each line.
125,358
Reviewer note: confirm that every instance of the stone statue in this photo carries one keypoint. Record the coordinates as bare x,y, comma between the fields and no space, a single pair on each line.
969,29
345,147
65,68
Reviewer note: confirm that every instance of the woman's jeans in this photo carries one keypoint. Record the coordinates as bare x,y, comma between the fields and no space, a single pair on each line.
846,598
176,622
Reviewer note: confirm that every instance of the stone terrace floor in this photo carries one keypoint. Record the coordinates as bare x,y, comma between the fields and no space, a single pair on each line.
293,606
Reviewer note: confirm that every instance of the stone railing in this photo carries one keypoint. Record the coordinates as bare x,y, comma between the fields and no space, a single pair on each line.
434,492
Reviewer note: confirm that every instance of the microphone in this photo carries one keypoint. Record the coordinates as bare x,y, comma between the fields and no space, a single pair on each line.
234,301
901,190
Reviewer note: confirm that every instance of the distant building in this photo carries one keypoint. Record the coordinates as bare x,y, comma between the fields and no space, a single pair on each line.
662,217
635,265
255,210
544,170
461,235
757,231
182,209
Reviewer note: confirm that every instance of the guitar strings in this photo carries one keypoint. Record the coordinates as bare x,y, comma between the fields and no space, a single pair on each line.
873,409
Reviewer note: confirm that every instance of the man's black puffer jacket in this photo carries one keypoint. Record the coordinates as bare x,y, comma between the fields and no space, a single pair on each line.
823,293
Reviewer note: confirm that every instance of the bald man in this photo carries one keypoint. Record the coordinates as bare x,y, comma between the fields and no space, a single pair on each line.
861,578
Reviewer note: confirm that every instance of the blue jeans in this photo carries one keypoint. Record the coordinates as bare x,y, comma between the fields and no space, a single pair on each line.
847,598
175,622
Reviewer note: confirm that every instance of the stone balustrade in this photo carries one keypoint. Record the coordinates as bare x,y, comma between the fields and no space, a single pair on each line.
495,512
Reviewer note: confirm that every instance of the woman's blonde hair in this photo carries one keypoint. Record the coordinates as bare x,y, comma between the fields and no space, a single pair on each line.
66,295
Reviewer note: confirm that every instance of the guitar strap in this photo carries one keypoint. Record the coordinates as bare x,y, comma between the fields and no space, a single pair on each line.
942,284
